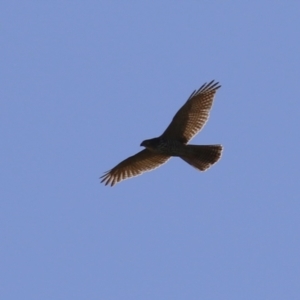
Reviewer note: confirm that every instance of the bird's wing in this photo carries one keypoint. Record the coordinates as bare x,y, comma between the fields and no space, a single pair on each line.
193,115
137,164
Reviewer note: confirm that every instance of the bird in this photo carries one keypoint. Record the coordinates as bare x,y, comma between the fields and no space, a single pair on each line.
173,142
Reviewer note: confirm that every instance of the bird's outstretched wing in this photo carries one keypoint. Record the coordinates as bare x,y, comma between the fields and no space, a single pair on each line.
193,115
137,164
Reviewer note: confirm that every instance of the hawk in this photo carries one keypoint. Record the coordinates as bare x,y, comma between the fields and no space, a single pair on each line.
186,123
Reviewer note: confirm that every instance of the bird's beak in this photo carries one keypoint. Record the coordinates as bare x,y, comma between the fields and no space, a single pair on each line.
143,144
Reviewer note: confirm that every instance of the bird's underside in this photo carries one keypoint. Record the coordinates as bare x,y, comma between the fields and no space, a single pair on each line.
186,123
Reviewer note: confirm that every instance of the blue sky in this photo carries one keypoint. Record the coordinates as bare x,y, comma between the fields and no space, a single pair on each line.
82,84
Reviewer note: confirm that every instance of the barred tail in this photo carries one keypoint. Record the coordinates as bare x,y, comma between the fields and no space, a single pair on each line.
203,156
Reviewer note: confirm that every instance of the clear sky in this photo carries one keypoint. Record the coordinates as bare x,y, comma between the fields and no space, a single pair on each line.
82,84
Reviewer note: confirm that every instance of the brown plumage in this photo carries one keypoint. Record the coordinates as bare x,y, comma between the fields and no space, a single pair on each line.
187,122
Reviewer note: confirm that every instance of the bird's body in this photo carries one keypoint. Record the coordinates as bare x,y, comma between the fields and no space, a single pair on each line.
187,122
165,146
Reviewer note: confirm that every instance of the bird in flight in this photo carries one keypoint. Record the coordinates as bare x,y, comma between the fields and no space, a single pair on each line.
186,123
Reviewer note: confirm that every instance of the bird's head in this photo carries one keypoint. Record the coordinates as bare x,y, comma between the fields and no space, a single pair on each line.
145,143
150,144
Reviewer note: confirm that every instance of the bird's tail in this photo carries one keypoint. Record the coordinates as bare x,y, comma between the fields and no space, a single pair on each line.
202,157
